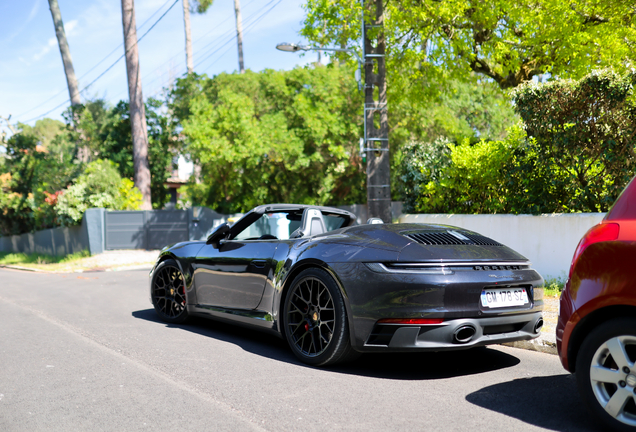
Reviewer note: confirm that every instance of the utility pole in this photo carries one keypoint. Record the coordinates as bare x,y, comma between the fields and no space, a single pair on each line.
376,119
239,35
188,37
71,80
137,109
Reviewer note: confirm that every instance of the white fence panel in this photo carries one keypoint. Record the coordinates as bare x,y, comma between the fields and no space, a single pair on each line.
548,240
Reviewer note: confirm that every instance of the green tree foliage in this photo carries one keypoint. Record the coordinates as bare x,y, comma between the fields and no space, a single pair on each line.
421,164
507,41
100,185
468,178
105,131
473,110
274,136
16,199
38,162
583,137
116,145
200,6
87,123
574,153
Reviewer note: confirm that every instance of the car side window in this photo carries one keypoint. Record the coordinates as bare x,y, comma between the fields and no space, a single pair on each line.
271,226
333,222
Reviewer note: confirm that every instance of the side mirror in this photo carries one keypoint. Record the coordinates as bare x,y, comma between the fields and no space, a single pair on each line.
218,234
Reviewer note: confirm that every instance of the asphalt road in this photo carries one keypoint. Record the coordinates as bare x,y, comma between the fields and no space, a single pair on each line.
86,352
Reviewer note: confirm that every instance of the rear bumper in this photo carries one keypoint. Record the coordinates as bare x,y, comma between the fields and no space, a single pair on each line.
456,334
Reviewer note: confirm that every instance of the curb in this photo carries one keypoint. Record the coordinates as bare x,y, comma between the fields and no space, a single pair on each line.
147,267
540,344
14,267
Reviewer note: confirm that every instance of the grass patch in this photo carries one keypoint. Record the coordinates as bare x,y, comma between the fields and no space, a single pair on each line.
553,286
8,258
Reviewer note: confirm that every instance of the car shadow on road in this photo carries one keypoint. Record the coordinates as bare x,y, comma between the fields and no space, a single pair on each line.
549,402
399,366
429,366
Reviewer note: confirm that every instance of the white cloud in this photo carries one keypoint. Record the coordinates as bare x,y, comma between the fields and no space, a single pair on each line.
69,29
70,26
45,50
34,11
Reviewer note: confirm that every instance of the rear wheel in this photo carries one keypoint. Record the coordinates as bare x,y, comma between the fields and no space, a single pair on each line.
606,374
168,292
315,320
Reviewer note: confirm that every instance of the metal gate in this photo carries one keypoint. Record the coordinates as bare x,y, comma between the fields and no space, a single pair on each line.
151,229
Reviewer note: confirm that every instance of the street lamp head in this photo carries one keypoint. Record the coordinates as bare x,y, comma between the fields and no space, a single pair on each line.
290,47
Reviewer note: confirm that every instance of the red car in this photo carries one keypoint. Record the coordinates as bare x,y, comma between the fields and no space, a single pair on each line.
596,332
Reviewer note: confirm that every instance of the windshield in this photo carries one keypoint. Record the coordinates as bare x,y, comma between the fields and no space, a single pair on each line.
278,225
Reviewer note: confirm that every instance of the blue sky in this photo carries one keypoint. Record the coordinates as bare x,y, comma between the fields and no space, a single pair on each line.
32,79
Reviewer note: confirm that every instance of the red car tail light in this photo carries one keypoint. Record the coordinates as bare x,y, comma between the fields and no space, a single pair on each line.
598,233
420,321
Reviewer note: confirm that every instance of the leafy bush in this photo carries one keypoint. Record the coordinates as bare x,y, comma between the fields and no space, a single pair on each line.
583,134
573,153
99,186
471,178
422,164
38,162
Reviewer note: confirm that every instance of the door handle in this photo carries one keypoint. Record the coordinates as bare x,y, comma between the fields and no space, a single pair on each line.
259,263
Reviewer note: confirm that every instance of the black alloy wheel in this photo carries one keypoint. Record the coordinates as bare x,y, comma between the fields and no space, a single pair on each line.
168,292
606,373
315,319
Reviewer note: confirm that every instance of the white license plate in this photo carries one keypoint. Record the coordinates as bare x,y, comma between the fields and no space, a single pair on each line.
504,297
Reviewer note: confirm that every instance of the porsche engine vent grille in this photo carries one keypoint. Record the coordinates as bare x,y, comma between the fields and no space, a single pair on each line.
451,238
482,241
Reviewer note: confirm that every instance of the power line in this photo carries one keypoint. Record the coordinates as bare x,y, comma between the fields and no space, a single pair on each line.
97,64
248,27
111,66
249,17
122,44
229,33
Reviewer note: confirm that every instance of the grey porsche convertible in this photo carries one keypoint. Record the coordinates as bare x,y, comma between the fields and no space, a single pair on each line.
334,289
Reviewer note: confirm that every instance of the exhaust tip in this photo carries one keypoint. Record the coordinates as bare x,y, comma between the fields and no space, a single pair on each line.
538,325
464,334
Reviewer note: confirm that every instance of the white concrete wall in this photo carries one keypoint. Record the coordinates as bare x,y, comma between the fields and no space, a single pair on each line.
547,240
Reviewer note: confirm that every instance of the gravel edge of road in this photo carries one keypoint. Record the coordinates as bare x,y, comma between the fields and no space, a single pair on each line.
541,344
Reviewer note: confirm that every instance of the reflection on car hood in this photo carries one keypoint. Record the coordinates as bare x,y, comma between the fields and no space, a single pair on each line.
423,242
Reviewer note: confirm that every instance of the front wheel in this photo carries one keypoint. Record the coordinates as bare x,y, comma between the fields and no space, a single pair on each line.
168,292
606,374
315,319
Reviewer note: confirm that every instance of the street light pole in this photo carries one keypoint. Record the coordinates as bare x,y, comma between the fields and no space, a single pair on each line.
375,142
376,118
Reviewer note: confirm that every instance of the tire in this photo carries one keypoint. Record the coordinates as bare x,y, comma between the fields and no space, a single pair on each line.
315,320
606,374
168,292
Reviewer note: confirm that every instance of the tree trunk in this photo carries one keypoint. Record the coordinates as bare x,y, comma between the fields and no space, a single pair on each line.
188,37
376,117
137,108
239,35
71,80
